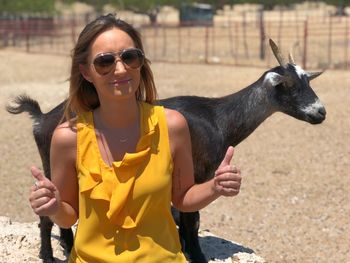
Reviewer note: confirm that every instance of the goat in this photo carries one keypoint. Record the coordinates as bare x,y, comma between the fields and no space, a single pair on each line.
214,124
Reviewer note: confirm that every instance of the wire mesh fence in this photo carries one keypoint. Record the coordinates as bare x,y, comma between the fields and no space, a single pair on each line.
316,42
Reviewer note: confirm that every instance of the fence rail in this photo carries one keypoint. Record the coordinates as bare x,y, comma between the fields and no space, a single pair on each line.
321,42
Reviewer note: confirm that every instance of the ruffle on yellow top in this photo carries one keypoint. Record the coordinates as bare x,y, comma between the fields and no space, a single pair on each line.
117,188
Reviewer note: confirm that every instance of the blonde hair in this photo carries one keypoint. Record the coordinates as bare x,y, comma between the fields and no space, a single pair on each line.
82,94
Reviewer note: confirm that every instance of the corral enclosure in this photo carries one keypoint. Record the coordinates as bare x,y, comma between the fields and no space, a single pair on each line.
239,35
294,205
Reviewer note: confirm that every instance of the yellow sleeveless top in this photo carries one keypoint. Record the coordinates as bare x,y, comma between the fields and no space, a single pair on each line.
124,210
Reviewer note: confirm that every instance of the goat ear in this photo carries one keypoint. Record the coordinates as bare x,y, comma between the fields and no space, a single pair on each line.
313,75
273,79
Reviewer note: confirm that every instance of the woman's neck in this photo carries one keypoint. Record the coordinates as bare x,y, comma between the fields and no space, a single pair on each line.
120,115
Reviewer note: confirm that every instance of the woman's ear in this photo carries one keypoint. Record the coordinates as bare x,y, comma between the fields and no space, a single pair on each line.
85,72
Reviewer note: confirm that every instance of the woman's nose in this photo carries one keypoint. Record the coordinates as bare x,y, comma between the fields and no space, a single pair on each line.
119,67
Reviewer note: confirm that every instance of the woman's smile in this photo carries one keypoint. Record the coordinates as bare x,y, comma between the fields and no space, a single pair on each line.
120,82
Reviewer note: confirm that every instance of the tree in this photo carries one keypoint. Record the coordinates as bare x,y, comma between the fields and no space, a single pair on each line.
97,4
341,5
27,6
149,7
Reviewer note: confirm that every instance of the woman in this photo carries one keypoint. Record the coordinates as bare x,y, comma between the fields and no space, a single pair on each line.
119,164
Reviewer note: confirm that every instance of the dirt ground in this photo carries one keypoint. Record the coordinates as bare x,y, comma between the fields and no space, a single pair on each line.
294,204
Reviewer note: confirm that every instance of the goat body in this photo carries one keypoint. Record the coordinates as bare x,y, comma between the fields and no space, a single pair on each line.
214,124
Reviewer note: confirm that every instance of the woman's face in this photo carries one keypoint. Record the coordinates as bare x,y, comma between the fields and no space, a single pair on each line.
119,80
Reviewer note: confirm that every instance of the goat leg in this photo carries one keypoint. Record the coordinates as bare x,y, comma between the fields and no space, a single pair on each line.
46,253
66,239
189,226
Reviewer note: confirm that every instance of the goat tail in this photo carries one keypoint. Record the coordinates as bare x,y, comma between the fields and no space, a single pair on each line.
24,103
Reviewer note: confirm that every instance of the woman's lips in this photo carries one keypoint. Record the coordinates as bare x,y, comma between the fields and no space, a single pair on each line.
121,82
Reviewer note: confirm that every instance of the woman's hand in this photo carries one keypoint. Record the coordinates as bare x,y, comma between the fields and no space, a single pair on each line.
44,197
227,179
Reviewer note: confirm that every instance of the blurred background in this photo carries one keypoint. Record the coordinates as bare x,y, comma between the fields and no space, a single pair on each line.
233,32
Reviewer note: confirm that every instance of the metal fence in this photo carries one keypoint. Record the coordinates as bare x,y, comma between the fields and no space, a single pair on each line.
317,42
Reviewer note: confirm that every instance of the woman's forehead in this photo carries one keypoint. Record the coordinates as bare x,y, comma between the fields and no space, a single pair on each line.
113,39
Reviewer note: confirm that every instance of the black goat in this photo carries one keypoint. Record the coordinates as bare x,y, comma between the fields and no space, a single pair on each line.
214,123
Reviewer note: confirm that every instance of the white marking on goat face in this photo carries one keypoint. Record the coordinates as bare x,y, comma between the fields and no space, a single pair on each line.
299,71
313,108
273,79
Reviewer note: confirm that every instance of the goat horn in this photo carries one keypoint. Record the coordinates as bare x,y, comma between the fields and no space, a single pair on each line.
291,59
276,51
313,75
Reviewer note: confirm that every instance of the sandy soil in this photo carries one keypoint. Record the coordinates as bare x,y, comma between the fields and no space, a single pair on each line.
294,205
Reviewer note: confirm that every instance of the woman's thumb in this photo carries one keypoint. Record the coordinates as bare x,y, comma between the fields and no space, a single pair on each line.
228,156
37,174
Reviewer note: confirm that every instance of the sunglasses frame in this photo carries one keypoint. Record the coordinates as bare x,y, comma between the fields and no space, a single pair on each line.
118,55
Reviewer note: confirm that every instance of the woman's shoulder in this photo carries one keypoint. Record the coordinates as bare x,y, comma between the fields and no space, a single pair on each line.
176,122
65,134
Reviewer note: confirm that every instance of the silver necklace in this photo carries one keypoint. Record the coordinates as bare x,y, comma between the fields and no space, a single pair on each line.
103,139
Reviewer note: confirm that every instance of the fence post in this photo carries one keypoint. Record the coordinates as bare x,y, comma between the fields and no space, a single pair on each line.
236,43
213,48
155,37
230,36
206,44
280,26
164,41
25,28
262,33
244,27
180,44
330,32
305,43
73,25
346,42
188,48
268,60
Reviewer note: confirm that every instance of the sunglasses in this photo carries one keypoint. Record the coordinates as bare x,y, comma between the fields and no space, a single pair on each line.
132,58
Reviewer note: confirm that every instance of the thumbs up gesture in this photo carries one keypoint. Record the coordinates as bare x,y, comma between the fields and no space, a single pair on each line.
44,197
227,179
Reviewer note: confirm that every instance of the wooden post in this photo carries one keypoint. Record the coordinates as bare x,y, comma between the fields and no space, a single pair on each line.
330,33
179,44
230,36
305,44
73,25
164,41
262,33
206,45
25,28
268,60
280,26
245,43
155,37
213,48
237,43
346,42
189,40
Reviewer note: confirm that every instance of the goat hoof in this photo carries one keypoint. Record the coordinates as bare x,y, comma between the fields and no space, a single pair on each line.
49,260
197,258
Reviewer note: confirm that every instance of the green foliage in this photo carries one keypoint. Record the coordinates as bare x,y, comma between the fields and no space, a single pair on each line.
27,6
147,6
97,4
338,2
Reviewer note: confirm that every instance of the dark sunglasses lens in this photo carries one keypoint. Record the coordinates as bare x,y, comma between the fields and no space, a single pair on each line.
133,58
104,63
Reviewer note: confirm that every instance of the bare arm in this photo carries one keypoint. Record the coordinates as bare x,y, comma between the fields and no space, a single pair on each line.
188,196
58,198
64,175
